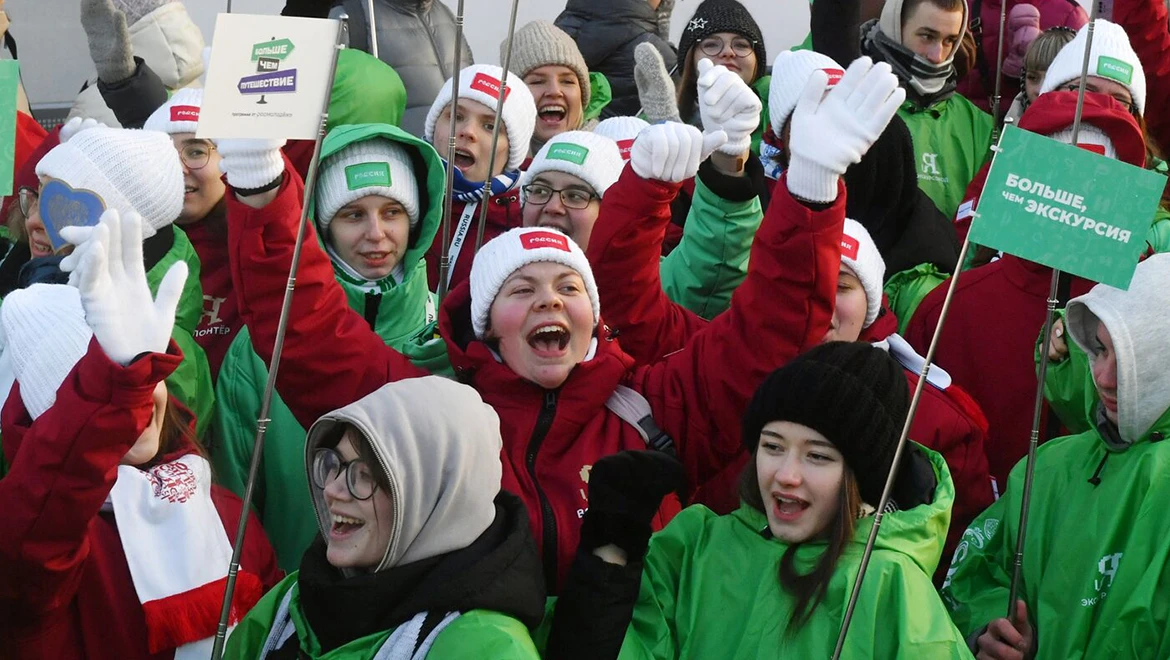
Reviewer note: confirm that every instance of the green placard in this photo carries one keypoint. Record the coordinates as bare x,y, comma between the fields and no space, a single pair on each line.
277,48
1066,207
9,81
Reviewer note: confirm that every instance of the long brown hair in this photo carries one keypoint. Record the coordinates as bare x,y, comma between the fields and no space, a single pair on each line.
178,431
688,84
809,588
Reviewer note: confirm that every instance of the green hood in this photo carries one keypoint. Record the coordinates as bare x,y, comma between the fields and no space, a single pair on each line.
918,533
365,91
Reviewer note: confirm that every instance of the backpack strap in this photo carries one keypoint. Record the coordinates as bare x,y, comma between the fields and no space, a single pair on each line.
634,409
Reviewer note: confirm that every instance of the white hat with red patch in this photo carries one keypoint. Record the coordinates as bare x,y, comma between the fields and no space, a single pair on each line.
1111,57
481,83
790,74
860,253
1089,138
513,250
180,114
590,157
623,131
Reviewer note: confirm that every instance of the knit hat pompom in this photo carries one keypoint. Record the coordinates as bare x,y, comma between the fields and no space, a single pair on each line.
860,253
130,170
376,166
623,131
180,114
714,16
481,83
853,393
1111,57
790,74
513,250
590,157
46,335
540,43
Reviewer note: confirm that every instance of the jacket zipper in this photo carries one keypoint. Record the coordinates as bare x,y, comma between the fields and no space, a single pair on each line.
373,302
548,523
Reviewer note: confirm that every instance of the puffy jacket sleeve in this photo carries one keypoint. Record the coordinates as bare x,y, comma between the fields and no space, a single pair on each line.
711,259
134,99
835,27
331,356
234,423
1145,23
63,470
783,307
624,251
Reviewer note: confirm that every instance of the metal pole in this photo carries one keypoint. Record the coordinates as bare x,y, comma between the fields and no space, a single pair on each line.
1038,407
372,26
889,487
995,98
278,347
487,183
445,230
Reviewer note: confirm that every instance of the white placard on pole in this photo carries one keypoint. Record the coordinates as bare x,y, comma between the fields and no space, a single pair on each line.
268,77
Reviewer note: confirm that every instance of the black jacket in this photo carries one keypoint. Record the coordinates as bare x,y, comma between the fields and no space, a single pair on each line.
607,32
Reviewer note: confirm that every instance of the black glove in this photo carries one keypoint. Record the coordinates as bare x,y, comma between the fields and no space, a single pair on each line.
625,491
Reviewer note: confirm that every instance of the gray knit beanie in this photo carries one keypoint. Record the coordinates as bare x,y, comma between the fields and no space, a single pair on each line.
540,43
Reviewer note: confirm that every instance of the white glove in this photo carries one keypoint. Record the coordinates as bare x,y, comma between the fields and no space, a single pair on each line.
829,135
75,126
108,269
727,103
250,163
672,152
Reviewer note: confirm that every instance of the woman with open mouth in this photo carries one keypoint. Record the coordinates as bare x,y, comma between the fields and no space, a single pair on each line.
420,554
377,209
527,330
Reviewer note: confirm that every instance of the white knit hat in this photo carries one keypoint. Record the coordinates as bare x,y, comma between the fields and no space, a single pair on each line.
131,170
1090,138
790,74
860,253
45,335
481,83
623,131
180,114
376,166
541,43
513,250
1112,57
592,158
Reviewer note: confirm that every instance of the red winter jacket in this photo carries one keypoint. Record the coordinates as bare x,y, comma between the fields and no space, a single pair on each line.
551,437
987,347
979,87
1053,112
623,251
65,587
221,317
1145,23
503,214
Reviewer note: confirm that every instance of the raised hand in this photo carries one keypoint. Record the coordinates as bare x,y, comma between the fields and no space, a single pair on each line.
250,163
727,103
109,40
655,88
672,151
108,269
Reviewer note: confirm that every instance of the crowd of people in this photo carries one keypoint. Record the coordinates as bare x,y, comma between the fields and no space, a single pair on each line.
624,376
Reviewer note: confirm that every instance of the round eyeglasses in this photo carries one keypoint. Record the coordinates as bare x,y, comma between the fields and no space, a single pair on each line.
195,155
359,479
713,46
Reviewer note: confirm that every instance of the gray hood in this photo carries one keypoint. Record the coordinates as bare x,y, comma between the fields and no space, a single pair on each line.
1136,320
439,446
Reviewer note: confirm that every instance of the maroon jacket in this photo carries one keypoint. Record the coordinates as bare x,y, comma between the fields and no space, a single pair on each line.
65,587
221,316
551,437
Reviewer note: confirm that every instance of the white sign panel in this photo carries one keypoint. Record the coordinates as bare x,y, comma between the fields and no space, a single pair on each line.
268,77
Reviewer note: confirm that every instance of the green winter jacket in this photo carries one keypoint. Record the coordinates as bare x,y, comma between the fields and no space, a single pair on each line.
711,260
600,94
191,382
366,90
404,315
1096,567
475,634
907,289
710,589
952,140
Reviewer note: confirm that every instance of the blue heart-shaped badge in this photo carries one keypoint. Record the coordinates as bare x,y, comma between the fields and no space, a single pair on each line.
62,206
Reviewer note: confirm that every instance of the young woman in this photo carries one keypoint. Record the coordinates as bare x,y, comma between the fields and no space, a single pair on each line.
773,578
475,117
724,32
1037,59
1094,566
528,334
420,553
115,542
568,97
378,207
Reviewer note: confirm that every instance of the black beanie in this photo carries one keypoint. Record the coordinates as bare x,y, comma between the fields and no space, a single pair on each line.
723,16
852,393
